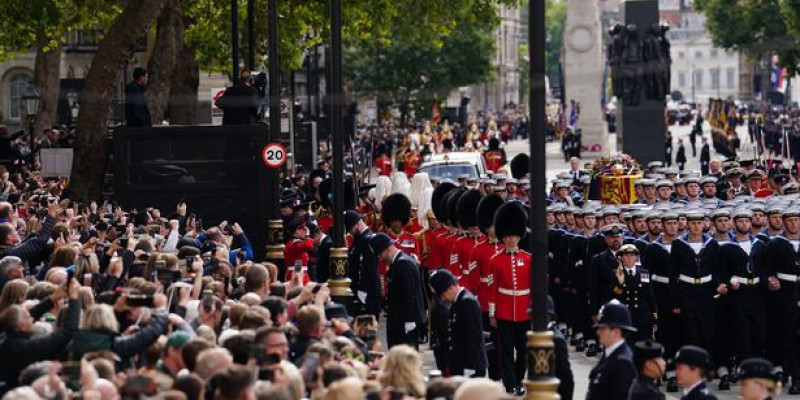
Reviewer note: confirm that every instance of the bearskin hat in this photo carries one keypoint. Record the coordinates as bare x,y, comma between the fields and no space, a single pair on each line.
326,194
437,203
468,207
510,219
396,207
494,144
452,206
520,165
486,209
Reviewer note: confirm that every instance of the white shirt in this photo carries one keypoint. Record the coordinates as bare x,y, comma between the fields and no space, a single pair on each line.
690,388
696,247
747,246
613,347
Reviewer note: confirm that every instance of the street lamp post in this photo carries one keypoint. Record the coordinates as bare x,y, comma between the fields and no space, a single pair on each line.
274,223
540,381
235,38
339,283
30,102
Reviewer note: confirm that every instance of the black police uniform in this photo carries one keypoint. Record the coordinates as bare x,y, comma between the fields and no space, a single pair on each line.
747,304
577,290
404,301
637,293
558,246
611,378
644,388
440,339
656,260
363,273
694,286
697,357
700,392
465,331
566,387
601,280
782,262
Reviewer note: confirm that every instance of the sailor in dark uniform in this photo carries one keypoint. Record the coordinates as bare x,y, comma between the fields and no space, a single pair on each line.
758,382
692,366
577,278
601,274
363,266
632,288
709,186
611,378
782,264
465,326
721,220
648,357
741,267
694,284
656,260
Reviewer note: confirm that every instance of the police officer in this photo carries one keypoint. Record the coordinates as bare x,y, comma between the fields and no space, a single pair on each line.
782,263
692,366
611,378
656,260
648,357
405,314
566,387
363,266
632,287
757,380
465,326
509,293
694,285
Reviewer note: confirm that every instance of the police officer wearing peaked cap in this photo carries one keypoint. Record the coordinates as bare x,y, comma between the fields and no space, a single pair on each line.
648,357
758,382
693,363
611,378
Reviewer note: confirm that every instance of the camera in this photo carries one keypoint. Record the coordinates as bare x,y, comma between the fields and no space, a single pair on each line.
139,300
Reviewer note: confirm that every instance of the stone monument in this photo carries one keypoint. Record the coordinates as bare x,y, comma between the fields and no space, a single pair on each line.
639,57
583,74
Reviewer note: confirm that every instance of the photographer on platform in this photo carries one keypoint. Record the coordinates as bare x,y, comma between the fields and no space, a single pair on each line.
239,102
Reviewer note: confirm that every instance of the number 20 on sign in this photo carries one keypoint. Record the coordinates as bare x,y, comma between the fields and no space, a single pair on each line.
274,155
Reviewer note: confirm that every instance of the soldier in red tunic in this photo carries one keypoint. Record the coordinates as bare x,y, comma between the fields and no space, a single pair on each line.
468,219
297,248
481,257
495,157
437,258
509,293
414,227
450,242
384,165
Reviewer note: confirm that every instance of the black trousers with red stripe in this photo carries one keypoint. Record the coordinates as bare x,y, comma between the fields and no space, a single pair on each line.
511,346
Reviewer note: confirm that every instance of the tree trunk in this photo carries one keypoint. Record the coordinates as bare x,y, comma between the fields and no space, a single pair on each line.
88,166
183,96
161,67
46,79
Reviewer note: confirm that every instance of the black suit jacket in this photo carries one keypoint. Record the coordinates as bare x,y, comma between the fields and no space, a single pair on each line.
136,111
240,104
404,298
643,388
612,377
701,392
601,280
465,330
363,273
324,259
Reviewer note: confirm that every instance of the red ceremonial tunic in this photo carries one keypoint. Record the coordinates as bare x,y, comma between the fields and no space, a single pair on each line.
509,289
384,165
297,249
414,226
494,160
465,248
482,255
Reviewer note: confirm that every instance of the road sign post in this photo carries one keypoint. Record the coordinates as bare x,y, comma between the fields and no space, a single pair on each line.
274,155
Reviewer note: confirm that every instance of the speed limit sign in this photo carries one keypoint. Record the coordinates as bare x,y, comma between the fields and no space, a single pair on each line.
274,155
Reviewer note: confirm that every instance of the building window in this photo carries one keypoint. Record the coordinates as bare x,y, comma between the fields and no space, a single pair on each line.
730,77
698,54
698,78
713,53
18,85
681,79
714,73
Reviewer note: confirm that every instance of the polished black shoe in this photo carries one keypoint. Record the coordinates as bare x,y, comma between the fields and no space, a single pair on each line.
672,385
724,383
795,388
580,346
519,391
573,341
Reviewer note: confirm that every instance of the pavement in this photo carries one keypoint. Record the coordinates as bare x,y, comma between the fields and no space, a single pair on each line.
582,365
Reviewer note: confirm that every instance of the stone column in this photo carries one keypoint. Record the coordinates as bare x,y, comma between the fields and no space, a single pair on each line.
583,73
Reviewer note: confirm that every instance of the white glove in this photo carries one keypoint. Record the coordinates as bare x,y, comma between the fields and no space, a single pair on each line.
468,372
410,326
362,296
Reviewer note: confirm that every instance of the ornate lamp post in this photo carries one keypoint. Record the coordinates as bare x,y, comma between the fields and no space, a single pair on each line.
30,103
275,224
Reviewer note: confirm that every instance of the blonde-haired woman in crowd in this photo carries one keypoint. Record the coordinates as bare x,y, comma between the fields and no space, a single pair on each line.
402,369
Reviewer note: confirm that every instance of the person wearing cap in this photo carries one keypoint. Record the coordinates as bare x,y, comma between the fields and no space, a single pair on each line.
705,156
363,266
649,191
721,222
648,357
664,187
655,227
509,293
611,378
754,181
774,225
468,219
171,364
734,178
576,272
465,326
742,269
757,381
563,372
494,156
404,312
693,192
657,260
396,215
638,225
782,265
692,364
296,249
322,251
383,164
694,283
601,274
632,287
709,186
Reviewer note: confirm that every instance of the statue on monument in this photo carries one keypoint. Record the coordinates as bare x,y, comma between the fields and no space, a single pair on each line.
639,62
